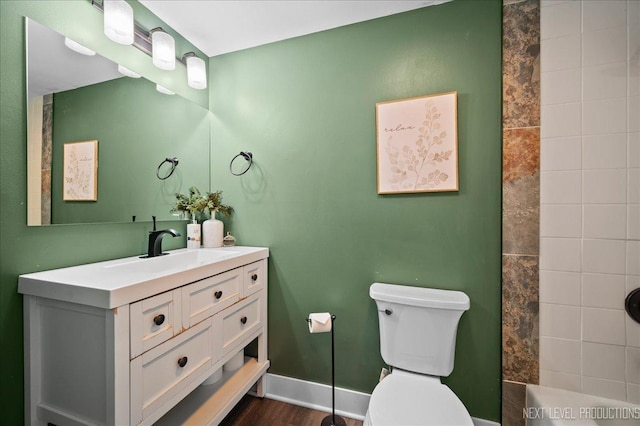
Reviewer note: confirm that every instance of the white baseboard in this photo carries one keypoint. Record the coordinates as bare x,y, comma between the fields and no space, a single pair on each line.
317,396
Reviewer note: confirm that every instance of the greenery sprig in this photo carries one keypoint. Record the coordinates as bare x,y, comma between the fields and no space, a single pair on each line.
201,206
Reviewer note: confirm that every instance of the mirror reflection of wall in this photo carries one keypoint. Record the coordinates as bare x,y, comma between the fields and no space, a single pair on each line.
53,67
136,128
39,116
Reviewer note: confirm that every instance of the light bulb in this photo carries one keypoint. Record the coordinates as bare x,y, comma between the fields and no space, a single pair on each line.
196,72
163,48
77,47
126,71
118,21
164,90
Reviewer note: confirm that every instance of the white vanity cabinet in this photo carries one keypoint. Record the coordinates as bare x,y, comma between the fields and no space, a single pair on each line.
131,341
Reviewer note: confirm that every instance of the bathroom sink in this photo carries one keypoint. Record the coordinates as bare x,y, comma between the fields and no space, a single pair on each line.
171,261
118,282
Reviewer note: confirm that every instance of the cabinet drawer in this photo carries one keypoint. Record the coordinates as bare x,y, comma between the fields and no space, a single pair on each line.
163,372
206,297
154,320
255,277
238,322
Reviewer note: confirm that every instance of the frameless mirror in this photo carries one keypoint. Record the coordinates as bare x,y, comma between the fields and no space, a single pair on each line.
75,98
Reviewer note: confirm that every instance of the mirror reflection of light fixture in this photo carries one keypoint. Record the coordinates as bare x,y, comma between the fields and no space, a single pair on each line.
163,48
127,72
164,90
77,47
196,71
118,21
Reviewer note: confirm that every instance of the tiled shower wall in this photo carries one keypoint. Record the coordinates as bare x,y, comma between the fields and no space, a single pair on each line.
590,196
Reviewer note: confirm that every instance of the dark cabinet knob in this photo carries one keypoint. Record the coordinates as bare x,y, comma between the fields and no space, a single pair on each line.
218,294
254,277
243,320
158,319
183,361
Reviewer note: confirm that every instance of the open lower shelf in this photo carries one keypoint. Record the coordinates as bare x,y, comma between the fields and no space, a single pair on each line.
209,404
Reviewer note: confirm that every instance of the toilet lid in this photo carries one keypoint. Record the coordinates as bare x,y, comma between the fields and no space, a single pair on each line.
409,399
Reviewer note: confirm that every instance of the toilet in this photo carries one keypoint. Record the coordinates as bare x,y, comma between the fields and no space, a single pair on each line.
418,329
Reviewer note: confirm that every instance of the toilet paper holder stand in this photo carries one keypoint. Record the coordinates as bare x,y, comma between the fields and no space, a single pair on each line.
332,420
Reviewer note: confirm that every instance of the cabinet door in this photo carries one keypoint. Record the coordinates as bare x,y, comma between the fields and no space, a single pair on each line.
154,320
238,323
255,277
204,298
162,373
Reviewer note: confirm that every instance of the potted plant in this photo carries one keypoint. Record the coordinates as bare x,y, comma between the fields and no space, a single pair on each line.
203,209
200,207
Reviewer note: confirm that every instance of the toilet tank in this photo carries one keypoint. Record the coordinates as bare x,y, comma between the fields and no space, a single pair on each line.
418,326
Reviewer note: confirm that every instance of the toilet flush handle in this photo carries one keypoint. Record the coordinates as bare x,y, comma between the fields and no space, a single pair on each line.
632,304
387,311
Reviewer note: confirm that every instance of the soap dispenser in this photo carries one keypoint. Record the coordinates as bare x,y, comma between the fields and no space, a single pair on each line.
193,234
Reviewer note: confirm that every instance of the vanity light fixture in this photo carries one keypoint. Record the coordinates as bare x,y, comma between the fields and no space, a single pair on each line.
127,72
163,48
77,47
196,71
156,43
118,21
164,90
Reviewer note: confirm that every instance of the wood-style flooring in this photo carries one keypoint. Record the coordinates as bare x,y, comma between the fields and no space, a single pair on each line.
252,411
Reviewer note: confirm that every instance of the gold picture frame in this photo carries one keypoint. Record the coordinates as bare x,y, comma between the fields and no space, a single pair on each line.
80,171
417,144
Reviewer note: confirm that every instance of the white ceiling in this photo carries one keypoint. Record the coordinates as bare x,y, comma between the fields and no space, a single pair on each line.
218,26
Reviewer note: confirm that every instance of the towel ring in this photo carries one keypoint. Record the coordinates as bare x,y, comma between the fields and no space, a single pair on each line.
174,163
247,156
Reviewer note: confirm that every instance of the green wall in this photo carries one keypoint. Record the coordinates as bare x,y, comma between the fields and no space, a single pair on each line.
29,249
121,114
305,108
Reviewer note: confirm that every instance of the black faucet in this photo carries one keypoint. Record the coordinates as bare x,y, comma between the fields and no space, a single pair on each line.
155,240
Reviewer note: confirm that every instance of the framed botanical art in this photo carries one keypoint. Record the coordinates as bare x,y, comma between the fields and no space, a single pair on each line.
417,144
80,171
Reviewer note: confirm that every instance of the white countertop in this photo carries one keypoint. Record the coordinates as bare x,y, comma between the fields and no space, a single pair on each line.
119,282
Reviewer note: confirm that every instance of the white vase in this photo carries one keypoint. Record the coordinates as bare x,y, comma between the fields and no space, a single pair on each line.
212,232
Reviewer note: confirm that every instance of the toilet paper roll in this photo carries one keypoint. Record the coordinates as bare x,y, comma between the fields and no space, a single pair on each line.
235,362
214,378
319,322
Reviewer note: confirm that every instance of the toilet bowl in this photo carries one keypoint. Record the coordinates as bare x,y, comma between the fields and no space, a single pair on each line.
411,399
418,328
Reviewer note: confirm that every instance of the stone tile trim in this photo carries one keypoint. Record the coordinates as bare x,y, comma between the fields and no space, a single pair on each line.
514,399
520,313
521,203
521,64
